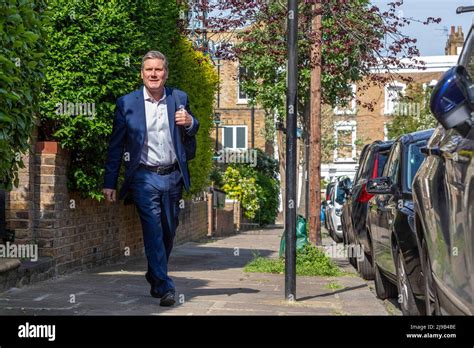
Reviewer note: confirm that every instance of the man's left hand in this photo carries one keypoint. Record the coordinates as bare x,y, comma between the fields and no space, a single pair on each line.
182,118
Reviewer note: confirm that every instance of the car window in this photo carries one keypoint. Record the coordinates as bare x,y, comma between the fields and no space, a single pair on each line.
414,159
360,167
331,193
383,157
362,173
328,191
391,169
340,194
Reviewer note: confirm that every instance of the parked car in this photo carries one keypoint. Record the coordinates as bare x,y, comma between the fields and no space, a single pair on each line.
323,212
443,194
371,164
395,257
329,188
337,197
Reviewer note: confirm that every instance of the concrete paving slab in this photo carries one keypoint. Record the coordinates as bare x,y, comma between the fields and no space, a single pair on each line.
209,280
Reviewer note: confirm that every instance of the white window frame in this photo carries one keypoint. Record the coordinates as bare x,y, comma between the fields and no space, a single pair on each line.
389,104
352,109
234,136
385,131
345,126
240,100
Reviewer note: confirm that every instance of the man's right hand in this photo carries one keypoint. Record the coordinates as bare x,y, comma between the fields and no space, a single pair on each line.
110,194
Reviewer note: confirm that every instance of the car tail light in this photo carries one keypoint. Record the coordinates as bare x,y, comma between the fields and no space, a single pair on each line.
364,195
375,170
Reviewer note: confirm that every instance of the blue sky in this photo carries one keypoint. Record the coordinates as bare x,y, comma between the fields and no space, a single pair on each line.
431,38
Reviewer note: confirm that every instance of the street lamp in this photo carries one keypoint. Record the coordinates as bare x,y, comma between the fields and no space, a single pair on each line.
217,122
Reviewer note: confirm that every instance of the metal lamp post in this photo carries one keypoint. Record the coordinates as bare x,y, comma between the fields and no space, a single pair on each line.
217,122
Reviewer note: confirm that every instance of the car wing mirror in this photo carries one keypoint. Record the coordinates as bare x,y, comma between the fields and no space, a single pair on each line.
381,185
452,100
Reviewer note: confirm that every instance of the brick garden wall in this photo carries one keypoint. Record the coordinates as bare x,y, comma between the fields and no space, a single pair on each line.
192,222
225,223
80,233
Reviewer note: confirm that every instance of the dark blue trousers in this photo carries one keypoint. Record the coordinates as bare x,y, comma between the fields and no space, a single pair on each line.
157,200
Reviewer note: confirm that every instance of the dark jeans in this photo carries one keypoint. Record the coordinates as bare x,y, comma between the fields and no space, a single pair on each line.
157,200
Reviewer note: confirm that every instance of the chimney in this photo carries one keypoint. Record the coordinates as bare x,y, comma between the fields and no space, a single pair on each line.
455,41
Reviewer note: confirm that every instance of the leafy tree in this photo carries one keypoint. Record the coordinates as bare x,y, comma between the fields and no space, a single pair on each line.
243,189
21,64
412,112
358,38
255,186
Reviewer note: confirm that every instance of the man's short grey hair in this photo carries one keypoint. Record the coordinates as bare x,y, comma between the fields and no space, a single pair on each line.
155,55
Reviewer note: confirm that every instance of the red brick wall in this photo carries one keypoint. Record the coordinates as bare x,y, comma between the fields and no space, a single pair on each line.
225,223
80,233
192,222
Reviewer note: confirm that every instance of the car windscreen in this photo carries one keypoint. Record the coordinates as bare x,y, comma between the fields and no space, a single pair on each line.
414,158
340,195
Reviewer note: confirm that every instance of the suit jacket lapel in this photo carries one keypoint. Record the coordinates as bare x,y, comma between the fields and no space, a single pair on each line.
139,108
171,106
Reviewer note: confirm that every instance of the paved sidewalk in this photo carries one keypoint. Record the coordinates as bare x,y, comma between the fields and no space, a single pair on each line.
209,279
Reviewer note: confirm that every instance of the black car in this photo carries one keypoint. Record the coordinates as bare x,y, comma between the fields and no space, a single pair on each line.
354,211
390,224
443,194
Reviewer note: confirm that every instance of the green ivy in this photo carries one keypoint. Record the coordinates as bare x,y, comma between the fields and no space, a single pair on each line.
21,63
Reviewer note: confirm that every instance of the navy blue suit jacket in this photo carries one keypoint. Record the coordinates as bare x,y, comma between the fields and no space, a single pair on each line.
128,137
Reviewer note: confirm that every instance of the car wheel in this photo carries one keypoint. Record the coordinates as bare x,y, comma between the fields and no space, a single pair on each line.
431,295
330,230
405,293
383,287
364,267
351,249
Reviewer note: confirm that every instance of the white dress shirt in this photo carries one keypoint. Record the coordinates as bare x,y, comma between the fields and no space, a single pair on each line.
158,149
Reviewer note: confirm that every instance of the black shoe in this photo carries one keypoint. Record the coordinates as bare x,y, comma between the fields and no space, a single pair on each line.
167,299
150,280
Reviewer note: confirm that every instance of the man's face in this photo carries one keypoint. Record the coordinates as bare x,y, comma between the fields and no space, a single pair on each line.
154,74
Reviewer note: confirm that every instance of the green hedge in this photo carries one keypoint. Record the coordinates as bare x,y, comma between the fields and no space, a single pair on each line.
255,186
193,73
21,63
94,56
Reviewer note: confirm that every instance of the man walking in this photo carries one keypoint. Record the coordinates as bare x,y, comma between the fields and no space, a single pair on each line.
154,132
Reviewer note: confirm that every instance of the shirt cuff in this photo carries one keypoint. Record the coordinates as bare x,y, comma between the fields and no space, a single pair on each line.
191,126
